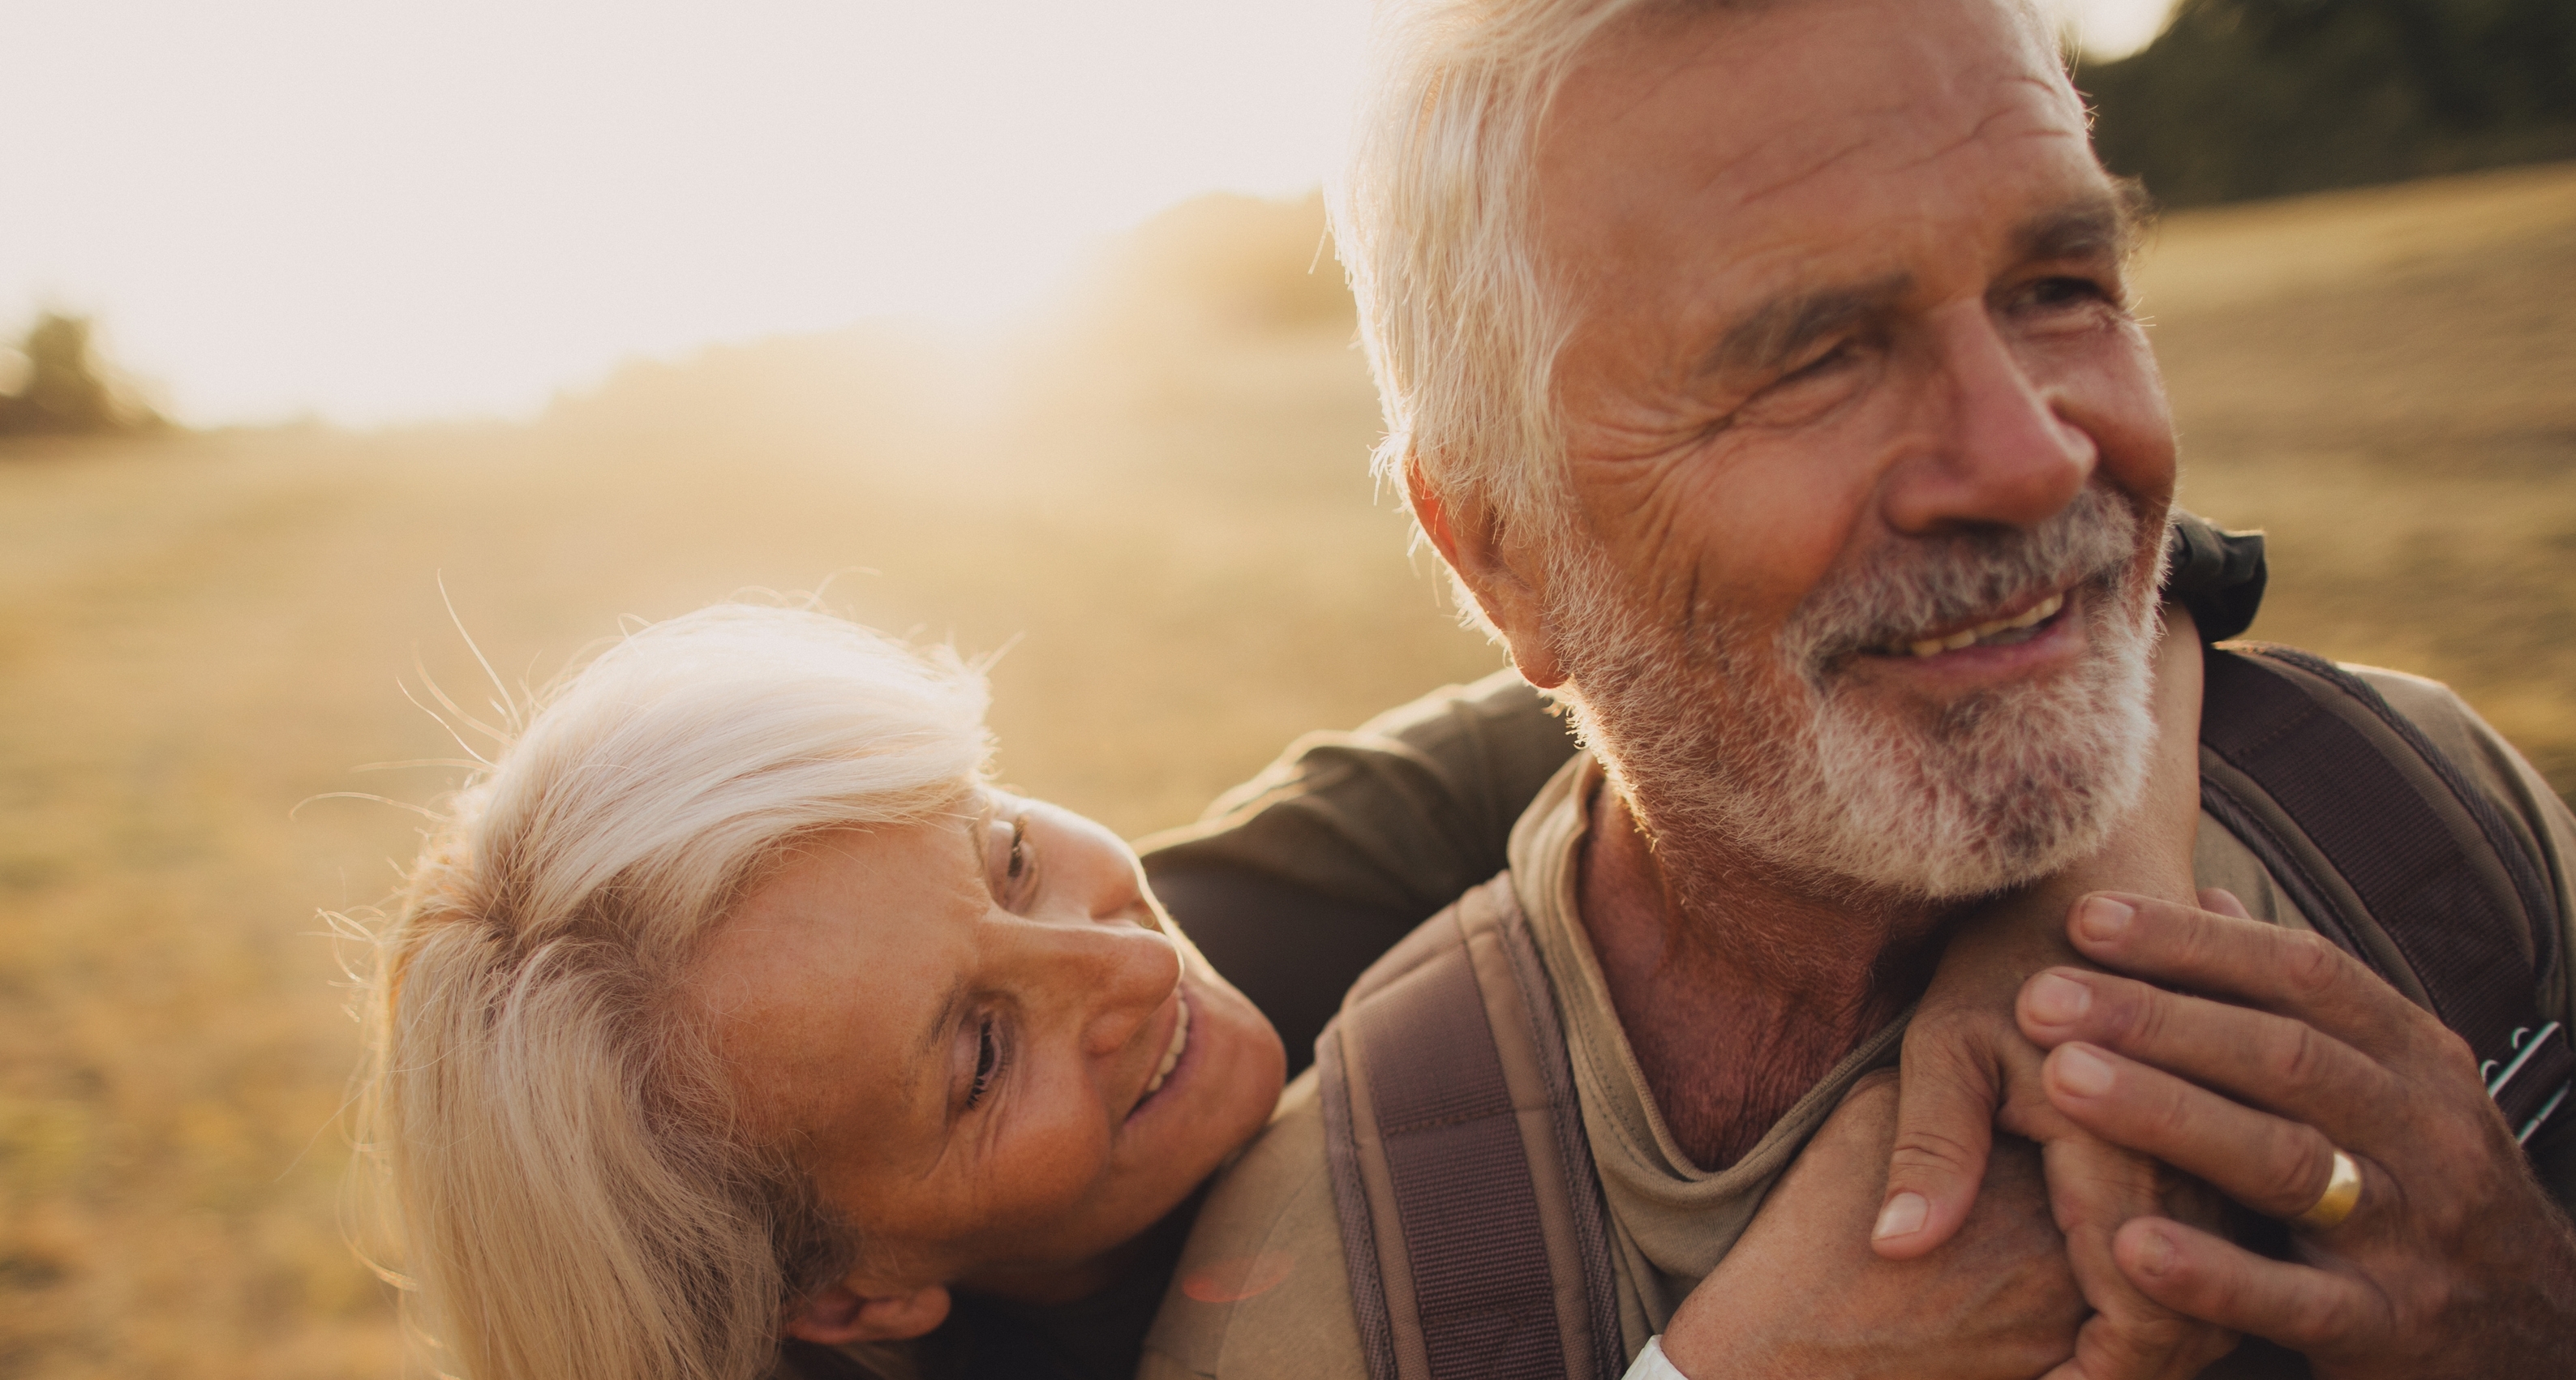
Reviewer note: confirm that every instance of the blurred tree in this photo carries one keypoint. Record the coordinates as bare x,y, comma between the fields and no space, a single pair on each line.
64,387
2247,98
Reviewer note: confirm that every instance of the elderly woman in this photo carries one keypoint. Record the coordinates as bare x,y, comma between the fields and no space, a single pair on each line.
731,1007
732,985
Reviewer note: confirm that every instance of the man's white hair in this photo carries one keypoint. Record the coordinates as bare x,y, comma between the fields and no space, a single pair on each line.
1433,220
571,1189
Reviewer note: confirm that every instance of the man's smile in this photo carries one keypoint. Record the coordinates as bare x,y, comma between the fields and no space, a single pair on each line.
2004,629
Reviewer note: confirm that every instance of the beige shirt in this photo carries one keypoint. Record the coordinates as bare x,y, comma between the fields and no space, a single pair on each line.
1263,1291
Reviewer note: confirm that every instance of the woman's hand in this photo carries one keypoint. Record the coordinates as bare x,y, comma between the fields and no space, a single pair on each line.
1967,1068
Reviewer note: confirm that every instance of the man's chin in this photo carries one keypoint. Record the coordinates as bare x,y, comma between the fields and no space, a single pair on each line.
2036,780
1888,784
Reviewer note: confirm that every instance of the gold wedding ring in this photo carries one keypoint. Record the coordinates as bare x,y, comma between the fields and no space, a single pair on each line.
2343,1193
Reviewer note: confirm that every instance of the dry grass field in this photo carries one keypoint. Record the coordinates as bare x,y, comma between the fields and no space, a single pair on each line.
202,638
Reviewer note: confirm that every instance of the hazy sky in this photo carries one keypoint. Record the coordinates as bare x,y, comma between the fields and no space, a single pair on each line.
379,211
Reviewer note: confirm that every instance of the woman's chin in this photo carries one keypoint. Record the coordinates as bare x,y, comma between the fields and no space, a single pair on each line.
1219,1093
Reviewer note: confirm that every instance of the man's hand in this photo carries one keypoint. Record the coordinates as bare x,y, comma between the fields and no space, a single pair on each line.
1967,1067
2454,1263
1963,1057
1801,1295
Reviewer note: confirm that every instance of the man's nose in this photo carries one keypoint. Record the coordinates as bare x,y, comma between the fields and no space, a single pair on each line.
2000,455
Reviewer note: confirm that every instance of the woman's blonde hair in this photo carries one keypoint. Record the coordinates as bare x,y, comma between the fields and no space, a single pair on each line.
570,1188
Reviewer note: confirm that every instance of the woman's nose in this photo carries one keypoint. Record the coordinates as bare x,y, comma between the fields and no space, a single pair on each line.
1107,974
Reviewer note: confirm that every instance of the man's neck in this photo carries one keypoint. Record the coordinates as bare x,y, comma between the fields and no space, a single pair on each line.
1740,985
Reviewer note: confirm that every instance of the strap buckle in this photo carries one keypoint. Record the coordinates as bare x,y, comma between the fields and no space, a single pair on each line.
2526,1043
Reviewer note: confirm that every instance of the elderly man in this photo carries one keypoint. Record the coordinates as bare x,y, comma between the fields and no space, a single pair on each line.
1764,376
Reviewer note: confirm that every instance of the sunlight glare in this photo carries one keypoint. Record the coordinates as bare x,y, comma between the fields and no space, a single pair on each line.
379,212
2109,29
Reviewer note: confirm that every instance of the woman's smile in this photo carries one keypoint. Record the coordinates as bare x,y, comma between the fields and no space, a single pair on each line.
984,1040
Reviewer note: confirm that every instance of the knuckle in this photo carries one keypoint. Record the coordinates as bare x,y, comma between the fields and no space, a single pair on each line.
2172,1120
1935,1029
1927,1150
2200,941
2306,1327
2136,1015
1948,1046
2317,1320
2453,1055
2311,967
2300,1059
2291,1179
2144,1328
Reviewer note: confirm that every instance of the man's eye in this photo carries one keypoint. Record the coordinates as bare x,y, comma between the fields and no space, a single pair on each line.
2061,292
1822,364
988,1062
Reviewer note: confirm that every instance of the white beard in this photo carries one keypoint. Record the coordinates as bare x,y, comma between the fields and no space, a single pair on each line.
1773,750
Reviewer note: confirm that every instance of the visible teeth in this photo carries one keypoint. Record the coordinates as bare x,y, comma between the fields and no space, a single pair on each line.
1172,1056
2037,613
2040,612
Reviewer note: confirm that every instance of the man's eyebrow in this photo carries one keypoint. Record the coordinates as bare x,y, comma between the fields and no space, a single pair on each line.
2106,225
1778,330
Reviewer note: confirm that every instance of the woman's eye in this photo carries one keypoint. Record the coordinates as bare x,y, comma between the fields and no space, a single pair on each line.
1019,865
1012,859
988,1061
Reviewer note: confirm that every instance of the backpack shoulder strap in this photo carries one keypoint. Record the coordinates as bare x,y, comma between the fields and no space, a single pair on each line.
1470,1212
2392,853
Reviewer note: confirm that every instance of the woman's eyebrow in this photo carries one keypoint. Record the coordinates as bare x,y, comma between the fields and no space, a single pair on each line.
916,1069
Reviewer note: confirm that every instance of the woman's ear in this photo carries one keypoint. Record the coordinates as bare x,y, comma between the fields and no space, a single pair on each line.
842,1313
1468,536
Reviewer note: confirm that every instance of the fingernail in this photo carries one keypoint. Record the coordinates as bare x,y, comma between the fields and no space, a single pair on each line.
2103,919
1903,1216
2155,1252
2082,1072
2059,1000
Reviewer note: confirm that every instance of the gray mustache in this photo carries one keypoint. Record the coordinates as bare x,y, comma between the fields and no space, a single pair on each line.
1933,581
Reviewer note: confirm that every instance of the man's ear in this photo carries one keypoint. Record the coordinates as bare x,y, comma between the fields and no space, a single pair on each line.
857,1311
1468,536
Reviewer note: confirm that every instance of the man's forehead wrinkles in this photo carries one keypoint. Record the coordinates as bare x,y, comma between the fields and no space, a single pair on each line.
1682,66
1876,122
1805,172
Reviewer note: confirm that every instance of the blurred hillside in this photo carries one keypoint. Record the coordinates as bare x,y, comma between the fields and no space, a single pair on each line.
204,637
2257,98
